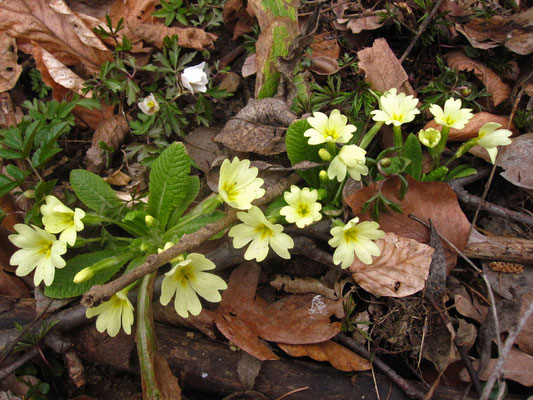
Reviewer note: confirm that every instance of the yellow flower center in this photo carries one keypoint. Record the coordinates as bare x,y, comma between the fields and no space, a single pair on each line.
184,274
46,248
150,105
332,133
230,190
303,210
351,235
264,231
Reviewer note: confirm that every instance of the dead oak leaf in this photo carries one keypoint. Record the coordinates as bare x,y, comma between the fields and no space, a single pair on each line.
366,22
298,319
427,200
500,91
50,24
9,69
337,355
154,33
383,70
400,270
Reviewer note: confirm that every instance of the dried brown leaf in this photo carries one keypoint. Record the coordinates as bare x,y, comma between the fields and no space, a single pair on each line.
167,383
366,22
323,65
154,33
471,129
236,18
517,161
201,148
249,67
56,74
9,69
512,31
518,367
55,28
427,200
298,319
291,284
118,178
525,337
139,10
500,91
325,45
383,70
111,131
253,129
337,355
400,270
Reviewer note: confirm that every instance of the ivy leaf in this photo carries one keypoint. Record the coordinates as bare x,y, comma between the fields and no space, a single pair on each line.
169,181
298,150
95,193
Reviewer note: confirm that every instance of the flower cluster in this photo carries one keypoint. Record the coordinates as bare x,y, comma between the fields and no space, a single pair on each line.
40,250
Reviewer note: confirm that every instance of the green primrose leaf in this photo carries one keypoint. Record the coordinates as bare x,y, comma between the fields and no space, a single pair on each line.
413,151
437,175
169,181
64,287
192,190
298,150
95,193
460,172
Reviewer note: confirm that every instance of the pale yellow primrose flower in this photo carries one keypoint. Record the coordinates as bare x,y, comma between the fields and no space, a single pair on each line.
59,218
302,208
332,129
350,159
453,116
262,234
112,314
490,137
396,108
39,250
355,239
149,105
429,137
187,280
238,184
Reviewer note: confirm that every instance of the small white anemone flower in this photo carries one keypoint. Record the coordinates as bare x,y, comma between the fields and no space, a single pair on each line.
59,218
194,78
303,208
355,239
39,250
396,108
333,129
187,280
351,159
149,105
429,137
453,116
490,137
262,234
238,184
112,314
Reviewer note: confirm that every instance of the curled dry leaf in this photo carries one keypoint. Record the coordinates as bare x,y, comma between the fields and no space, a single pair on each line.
9,69
323,65
52,25
253,129
111,131
471,129
518,367
249,67
118,178
236,18
383,70
154,33
298,319
56,74
512,31
500,91
400,270
517,161
427,200
201,148
325,45
292,284
337,355
366,22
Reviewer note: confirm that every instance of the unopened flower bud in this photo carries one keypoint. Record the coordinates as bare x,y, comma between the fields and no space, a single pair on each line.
84,275
29,194
150,221
385,162
324,154
323,175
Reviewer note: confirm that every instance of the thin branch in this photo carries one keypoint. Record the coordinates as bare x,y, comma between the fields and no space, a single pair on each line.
187,243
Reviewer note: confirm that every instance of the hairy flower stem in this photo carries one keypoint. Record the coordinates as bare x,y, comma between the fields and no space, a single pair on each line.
398,139
369,135
442,144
